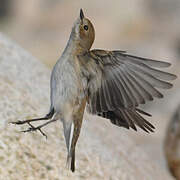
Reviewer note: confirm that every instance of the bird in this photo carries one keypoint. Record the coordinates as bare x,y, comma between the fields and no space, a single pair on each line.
110,84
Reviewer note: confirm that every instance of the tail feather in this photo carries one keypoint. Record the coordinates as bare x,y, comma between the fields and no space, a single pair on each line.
73,161
70,164
69,133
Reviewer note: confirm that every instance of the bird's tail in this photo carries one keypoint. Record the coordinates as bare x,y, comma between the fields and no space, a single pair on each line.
72,131
69,133
71,160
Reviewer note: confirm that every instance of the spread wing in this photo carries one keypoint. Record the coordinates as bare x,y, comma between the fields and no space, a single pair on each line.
119,82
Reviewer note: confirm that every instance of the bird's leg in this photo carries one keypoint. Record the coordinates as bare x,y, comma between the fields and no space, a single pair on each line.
32,128
48,116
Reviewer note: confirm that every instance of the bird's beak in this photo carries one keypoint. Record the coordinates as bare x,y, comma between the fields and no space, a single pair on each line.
81,14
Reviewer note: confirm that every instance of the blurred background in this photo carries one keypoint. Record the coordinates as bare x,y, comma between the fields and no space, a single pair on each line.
144,28
147,28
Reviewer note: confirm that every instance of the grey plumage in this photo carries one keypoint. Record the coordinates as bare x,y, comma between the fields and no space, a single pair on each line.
126,82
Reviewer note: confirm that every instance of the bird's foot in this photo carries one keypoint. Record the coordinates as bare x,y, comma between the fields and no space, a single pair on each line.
18,122
33,128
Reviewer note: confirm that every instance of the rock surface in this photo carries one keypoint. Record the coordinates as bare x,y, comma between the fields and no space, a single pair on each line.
172,144
103,151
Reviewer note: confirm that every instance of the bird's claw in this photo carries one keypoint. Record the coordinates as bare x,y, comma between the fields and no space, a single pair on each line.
17,122
29,130
32,128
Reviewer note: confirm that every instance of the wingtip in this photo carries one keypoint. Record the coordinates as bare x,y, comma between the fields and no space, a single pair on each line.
174,77
166,64
143,112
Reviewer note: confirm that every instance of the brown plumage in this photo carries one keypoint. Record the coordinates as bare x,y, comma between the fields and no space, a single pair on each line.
111,83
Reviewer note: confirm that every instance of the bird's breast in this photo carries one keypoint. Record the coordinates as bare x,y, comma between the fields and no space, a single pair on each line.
66,84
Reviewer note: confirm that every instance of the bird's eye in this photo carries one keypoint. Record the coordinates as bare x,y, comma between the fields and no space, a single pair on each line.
86,27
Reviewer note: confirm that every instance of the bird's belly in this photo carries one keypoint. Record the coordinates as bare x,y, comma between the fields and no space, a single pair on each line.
67,89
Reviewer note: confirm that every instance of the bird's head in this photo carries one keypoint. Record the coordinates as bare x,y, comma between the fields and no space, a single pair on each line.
83,32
